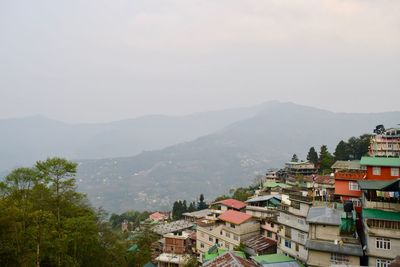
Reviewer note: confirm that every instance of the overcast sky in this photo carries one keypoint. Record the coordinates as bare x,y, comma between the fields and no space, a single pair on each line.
97,60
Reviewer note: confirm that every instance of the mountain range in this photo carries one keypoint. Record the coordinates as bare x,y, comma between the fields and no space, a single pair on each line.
202,153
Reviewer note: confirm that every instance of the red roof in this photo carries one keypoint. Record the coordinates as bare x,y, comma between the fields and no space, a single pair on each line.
235,217
229,259
232,203
156,216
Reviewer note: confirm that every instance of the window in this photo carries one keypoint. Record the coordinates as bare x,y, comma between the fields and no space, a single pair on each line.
382,263
302,237
232,225
236,237
288,243
300,221
376,170
221,233
354,186
201,245
227,245
227,234
297,247
337,258
210,239
269,234
394,171
382,243
272,225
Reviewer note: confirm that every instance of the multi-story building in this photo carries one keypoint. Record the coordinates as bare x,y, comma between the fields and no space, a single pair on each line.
294,229
300,168
229,204
381,168
381,221
386,144
264,208
176,250
347,173
332,238
227,230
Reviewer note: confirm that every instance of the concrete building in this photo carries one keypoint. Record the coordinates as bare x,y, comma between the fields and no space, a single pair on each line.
380,168
332,238
300,168
176,251
226,231
381,220
386,144
293,226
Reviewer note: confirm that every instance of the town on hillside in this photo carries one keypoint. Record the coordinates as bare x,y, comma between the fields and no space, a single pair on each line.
299,215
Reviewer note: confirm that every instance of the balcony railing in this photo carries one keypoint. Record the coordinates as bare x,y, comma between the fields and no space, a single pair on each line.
300,198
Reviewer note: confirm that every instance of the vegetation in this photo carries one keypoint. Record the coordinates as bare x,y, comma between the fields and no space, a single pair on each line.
133,217
181,207
45,222
295,158
325,160
353,149
312,156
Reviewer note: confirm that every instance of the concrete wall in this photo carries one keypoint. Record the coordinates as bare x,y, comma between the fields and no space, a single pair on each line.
320,258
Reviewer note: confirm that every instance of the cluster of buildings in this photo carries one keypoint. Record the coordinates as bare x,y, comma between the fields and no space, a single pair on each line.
348,218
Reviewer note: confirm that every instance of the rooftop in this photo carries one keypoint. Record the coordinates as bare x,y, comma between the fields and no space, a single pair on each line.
381,215
235,217
229,259
275,260
264,198
347,165
232,203
172,227
198,214
270,184
380,161
259,243
173,258
345,248
324,215
391,185
158,216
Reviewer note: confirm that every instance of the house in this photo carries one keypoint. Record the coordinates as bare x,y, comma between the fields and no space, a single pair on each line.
196,215
381,220
229,259
227,231
301,168
347,173
264,208
380,168
159,216
260,245
275,260
176,251
332,238
294,229
229,204
386,144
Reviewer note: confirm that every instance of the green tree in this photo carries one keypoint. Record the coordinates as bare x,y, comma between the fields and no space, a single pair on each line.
201,205
312,156
242,194
325,159
342,151
294,158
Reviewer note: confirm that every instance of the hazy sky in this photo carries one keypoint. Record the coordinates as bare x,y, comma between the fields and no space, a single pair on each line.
97,60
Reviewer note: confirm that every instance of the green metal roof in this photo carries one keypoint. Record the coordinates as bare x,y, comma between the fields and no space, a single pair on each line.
380,161
381,215
149,264
275,184
391,185
272,258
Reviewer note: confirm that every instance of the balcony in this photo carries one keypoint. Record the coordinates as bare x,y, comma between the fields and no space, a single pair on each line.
351,175
301,198
380,204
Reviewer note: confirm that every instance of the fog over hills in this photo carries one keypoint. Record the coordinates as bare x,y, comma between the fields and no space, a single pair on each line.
25,140
227,158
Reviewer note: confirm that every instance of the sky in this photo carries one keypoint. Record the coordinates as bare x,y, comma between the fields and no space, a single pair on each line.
99,61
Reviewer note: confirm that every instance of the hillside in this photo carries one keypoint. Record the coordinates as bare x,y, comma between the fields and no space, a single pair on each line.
216,162
25,140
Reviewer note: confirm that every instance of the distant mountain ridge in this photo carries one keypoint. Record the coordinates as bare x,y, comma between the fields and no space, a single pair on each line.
25,140
227,158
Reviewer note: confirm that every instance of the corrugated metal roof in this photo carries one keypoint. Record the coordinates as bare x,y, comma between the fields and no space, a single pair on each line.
229,259
259,243
347,165
233,203
235,217
324,215
380,161
392,185
381,215
272,258
263,198
347,249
